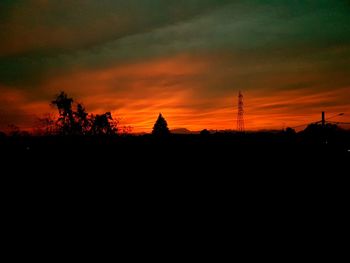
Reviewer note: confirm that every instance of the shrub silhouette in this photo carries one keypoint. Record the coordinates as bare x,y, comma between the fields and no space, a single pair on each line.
160,128
205,132
290,131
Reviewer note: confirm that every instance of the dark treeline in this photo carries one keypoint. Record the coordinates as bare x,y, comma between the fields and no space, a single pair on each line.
74,120
77,121
79,131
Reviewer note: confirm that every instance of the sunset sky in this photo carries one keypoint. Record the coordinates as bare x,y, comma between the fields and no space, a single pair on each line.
184,58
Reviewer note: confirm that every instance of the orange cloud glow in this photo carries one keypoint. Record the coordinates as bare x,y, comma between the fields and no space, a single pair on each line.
17,108
177,87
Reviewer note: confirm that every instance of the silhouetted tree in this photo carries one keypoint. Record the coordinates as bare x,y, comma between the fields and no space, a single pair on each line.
82,122
318,129
322,134
66,119
160,128
79,122
126,130
47,125
103,124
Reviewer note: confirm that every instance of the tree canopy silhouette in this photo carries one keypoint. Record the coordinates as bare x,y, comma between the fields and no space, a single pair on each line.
79,122
102,124
66,118
83,123
160,128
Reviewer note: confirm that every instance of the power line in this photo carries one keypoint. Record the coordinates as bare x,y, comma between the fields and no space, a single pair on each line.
301,125
334,122
340,114
325,120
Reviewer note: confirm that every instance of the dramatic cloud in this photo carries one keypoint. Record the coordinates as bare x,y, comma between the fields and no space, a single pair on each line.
186,59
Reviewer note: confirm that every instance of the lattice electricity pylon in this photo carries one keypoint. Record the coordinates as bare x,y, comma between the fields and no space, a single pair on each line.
240,115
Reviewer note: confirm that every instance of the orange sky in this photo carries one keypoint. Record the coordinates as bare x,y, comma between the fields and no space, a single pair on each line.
185,59
176,87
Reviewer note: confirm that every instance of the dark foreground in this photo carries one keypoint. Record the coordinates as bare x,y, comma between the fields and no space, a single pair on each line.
146,175
225,153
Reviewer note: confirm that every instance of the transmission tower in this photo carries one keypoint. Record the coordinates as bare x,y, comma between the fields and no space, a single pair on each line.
240,115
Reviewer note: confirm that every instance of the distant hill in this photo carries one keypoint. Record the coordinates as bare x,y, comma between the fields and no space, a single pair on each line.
183,131
187,131
173,131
